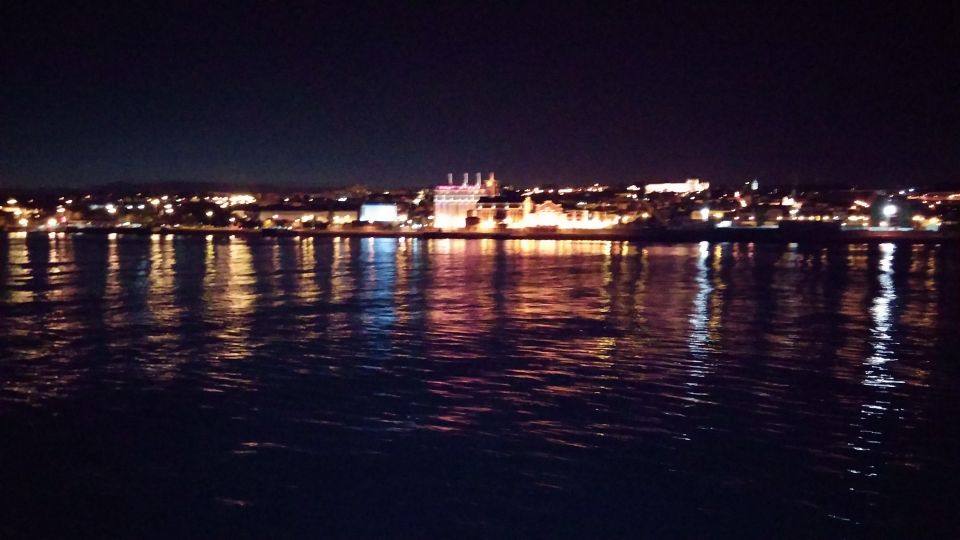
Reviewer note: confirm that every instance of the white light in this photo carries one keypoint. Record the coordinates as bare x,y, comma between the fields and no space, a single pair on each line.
889,210
11,202
381,213
704,213
23,222
51,222
209,213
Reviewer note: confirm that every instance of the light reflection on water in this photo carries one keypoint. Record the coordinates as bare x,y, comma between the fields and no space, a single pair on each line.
704,382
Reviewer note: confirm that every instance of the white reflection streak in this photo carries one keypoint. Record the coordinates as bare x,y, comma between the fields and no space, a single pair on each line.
877,374
698,341
700,317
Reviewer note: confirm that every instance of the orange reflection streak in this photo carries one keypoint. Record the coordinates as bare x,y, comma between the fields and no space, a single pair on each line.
164,312
342,284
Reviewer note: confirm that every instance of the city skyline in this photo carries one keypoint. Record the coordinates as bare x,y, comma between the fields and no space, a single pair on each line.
339,95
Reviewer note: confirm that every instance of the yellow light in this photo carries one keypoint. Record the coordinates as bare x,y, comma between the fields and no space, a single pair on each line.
23,222
51,222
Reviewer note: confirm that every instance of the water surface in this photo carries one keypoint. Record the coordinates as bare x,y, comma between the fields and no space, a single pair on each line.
277,388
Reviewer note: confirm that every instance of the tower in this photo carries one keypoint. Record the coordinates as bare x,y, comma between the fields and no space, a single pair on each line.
491,185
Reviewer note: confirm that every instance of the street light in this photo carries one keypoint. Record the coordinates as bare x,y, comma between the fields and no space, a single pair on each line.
889,210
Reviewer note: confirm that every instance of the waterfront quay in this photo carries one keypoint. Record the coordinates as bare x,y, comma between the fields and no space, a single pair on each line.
766,235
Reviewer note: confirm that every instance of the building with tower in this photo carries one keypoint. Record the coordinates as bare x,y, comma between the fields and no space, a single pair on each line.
452,204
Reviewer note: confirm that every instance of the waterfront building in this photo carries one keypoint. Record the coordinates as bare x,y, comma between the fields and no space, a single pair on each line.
379,213
452,204
512,212
503,211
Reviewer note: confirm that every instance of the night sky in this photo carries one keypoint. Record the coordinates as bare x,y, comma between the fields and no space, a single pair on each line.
390,94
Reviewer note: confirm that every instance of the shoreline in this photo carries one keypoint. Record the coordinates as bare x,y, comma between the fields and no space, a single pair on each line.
650,235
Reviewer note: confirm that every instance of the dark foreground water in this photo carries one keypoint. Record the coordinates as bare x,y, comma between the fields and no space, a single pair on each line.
326,388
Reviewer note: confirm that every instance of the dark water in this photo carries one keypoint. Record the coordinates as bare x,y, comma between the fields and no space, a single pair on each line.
191,387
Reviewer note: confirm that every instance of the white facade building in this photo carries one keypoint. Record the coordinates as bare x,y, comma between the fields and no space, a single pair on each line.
379,212
452,204
692,185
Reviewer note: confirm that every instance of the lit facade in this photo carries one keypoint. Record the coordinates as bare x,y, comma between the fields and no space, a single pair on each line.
452,204
548,214
693,185
493,213
379,213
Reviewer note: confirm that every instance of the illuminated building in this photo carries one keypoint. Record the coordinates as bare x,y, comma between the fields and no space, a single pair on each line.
549,214
513,213
693,185
453,204
500,211
378,212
